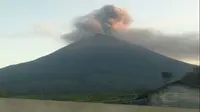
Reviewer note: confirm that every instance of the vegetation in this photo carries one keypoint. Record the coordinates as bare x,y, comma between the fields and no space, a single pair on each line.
95,97
120,98
3,94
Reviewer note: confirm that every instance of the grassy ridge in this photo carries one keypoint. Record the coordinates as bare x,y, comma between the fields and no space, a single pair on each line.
96,97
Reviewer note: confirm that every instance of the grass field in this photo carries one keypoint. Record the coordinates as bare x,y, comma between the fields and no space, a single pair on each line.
95,97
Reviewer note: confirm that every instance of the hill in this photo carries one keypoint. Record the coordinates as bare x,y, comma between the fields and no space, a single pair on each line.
95,64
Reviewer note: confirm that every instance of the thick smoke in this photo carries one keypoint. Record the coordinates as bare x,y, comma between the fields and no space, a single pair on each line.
104,20
182,47
111,20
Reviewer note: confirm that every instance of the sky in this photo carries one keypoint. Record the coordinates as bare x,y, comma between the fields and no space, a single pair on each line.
30,29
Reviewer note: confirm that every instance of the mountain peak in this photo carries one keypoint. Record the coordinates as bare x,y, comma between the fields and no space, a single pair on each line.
99,63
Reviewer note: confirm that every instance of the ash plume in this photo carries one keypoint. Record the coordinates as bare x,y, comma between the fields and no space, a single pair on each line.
183,47
111,20
104,20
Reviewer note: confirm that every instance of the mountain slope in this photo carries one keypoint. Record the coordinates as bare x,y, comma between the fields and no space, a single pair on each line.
96,64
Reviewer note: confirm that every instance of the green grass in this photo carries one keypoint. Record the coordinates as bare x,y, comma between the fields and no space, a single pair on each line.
97,97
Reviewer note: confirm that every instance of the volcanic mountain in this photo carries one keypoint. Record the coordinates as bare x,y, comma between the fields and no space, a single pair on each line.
95,64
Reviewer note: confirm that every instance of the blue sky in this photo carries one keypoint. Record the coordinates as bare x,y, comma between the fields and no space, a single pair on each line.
31,28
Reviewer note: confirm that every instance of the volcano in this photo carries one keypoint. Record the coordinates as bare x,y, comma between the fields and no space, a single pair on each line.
95,64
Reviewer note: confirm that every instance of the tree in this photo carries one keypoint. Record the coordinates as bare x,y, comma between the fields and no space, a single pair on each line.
3,94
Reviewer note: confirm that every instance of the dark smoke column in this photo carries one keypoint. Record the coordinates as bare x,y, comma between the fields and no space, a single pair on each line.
105,20
111,17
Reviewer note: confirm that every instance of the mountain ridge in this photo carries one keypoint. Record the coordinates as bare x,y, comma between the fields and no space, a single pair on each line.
95,64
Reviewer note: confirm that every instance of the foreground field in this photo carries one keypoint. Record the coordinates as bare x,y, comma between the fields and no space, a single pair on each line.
95,97
19,105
